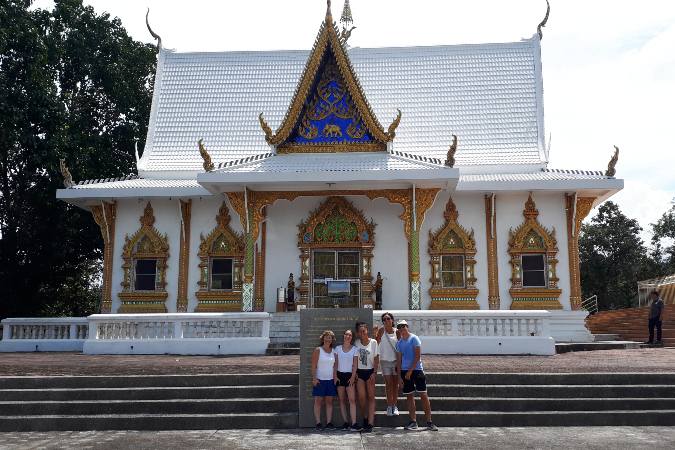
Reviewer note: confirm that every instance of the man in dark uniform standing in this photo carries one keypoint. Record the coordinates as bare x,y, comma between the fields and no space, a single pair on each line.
655,318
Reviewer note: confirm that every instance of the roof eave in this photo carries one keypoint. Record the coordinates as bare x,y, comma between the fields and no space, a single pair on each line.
600,188
218,182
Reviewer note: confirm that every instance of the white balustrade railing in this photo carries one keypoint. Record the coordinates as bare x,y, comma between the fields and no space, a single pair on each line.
479,332
43,334
179,333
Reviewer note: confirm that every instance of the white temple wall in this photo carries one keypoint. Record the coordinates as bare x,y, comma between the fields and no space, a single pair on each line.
471,209
204,212
551,206
390,255
166,214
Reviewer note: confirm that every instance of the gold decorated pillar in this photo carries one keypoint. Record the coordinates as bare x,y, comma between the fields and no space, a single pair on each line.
491,239
184,255
104,216
576,209
421,201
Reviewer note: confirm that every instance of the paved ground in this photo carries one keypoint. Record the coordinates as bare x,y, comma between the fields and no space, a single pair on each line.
637,360
588,438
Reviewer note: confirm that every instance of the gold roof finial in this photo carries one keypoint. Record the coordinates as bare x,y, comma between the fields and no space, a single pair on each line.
208,164
67,177
152,33
346,18
543,22
611,167
347,23
329,14
450,158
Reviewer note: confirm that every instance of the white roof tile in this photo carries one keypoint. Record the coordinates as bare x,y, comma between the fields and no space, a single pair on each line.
490,95
333,162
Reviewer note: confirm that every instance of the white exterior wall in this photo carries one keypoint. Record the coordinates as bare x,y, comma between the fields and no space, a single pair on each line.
204,212
551,208
471,209
167,221
390,255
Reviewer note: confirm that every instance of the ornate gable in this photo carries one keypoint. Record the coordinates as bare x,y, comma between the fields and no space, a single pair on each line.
329,111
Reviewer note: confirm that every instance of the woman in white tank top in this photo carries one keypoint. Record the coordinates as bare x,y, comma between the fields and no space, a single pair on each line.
324,377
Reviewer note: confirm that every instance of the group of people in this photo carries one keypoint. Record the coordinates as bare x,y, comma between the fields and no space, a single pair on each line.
348,371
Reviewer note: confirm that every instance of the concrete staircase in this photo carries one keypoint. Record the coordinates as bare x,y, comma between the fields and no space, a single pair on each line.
175,402
164,402
496,400
631,324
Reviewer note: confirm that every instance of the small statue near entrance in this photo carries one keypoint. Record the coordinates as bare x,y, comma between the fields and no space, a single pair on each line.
378,291
290,294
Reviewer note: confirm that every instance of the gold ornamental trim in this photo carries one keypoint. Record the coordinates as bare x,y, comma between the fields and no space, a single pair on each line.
491,240
535,298
328,39
531,237
258,200
105,216
146,243
364,240
452,239
184,255
331,148
218,301
575,212
142,302
222,241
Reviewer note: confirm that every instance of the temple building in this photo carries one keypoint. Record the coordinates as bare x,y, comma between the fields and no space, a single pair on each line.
426,165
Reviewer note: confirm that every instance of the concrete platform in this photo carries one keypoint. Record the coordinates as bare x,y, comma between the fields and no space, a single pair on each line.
588,438
650,360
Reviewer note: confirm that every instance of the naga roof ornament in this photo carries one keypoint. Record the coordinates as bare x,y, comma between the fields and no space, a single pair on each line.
152,33
543,22
611,167
329,111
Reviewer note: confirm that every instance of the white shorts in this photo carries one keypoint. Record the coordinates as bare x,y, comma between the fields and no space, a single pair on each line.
388,367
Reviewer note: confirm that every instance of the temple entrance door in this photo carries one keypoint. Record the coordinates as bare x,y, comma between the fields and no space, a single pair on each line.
333,265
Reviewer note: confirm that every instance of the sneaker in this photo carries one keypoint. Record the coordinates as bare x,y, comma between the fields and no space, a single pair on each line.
368,428
355,427
318,427
329,426
389,411
365,424
394,411
412,425
431,426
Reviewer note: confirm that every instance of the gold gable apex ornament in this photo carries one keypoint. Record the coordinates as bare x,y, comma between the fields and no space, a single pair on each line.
611,167
329,40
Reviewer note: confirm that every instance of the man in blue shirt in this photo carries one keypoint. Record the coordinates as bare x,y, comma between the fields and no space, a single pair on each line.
409,365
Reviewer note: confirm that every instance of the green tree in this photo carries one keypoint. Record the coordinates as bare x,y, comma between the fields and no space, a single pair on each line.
663,241
73,85
613,257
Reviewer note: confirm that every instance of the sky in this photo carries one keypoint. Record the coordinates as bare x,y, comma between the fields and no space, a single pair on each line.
608,66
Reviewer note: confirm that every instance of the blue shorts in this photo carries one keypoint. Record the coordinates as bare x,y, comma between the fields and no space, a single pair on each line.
325,388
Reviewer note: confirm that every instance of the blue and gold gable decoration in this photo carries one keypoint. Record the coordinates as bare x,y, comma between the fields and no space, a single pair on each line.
329,112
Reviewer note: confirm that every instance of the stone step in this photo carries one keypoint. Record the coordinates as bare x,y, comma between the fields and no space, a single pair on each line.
149,422
647,417
150,393
605,378
535,404
39,382
191,406
553,391
591,346
605,337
